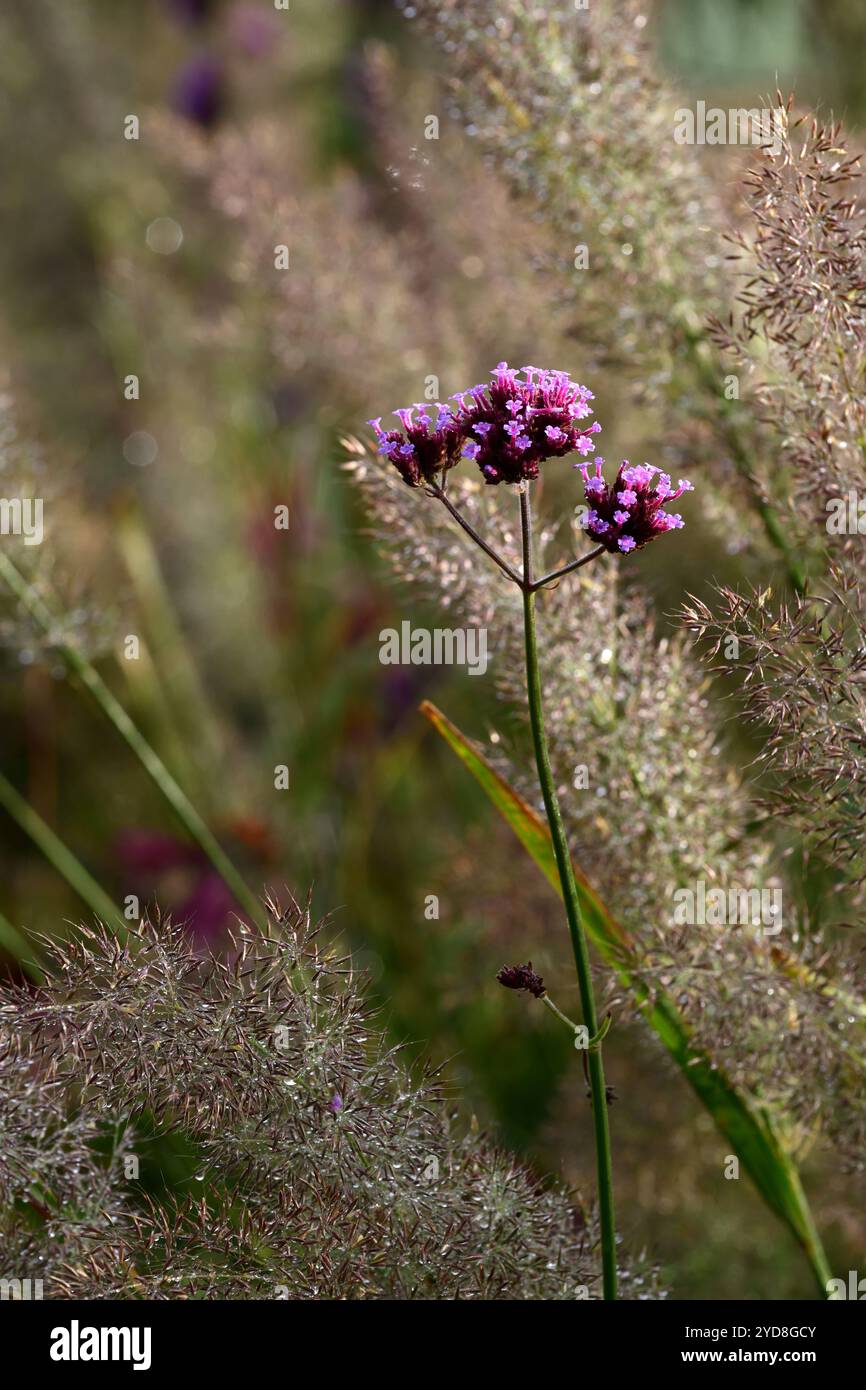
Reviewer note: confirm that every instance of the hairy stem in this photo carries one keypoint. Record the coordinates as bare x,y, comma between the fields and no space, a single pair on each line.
566,569
579,947
497,559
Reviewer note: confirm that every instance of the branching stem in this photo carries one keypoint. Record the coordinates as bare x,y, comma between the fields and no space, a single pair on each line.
566,569
437,491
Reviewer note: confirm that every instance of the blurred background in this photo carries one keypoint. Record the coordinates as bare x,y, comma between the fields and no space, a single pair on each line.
153,258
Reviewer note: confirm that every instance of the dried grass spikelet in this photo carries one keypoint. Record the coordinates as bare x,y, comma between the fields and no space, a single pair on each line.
802,663
329,1169
801,326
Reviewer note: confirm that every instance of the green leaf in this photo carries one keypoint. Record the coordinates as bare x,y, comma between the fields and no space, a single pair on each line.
110,706
741,1119
60,857
17,946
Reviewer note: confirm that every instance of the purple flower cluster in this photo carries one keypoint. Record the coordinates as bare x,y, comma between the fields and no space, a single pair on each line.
629,513
507,426
522,977
425,446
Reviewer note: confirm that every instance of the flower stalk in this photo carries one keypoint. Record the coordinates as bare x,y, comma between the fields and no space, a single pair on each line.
595,1065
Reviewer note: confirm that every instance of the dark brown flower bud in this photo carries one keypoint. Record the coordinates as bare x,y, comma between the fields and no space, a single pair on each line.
521,977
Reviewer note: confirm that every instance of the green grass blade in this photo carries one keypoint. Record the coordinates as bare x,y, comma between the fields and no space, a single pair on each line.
16,945
58,855
147,756
745,1124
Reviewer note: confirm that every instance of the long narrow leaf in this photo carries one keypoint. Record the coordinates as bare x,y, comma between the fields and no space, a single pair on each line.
741,1119
153,765
16,945
59,855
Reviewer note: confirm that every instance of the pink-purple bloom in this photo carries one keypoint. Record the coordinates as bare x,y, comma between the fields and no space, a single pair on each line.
630,513
508,426
512,424
427,444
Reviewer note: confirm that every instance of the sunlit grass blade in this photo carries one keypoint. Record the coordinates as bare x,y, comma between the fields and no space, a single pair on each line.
181,703
58,855
741,1119
111,707
17,946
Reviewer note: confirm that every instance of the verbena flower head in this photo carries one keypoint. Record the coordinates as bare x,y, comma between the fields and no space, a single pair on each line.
513,425
522,977
629,513
508,426
427,444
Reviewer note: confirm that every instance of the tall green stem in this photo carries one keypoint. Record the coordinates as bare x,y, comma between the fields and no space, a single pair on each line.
598,1091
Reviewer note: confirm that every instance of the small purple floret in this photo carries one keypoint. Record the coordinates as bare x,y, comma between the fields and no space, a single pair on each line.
509,426
627,514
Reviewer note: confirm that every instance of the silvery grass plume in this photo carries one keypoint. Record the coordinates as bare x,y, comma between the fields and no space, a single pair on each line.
570,105
328,1169
799,671
800,327
571,108
800,666
371,281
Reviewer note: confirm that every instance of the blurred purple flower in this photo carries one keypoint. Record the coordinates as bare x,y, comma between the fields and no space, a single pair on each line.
191,11
209,908
149,857
149,852
199,92
254,30
402,690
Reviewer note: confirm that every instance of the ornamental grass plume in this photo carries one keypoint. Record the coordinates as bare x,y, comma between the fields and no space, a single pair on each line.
508,428
324,1167
798,329
534,88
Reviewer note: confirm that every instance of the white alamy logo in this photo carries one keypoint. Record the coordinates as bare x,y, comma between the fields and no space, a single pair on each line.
739,125
434,647
846,516
77,1343
22,516
733,907
855,1289
20,1290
